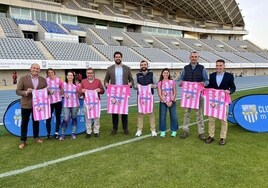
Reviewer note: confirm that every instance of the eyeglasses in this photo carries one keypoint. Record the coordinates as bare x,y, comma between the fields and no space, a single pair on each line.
90,73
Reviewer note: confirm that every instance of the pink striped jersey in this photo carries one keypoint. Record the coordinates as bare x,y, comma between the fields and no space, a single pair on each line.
54,86
117,102
145,99
215,103
92,103
70,95
41,105
191,92
167,87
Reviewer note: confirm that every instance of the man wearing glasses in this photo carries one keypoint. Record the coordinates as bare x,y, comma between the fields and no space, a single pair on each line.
91,83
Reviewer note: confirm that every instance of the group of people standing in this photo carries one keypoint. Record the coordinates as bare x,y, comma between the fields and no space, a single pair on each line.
120,74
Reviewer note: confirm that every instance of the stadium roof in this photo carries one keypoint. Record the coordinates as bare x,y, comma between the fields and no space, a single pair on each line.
217,11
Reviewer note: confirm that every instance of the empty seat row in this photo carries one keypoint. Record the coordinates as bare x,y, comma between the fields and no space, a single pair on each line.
16,48
23,21
51,27
71,51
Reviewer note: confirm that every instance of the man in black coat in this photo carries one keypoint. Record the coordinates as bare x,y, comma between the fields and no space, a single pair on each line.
224,81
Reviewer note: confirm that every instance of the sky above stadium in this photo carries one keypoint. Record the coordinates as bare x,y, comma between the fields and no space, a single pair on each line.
255,17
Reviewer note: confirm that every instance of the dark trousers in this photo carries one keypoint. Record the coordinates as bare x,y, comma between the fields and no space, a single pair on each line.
124,118
25,114
58,107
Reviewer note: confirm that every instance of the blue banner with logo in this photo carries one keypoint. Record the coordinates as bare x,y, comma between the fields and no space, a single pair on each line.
12,121
230,117
251,112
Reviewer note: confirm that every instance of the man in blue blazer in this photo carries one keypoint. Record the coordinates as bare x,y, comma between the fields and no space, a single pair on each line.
224,81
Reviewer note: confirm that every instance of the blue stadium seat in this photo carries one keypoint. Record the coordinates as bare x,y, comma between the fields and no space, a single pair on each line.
22,21
70,27
51,27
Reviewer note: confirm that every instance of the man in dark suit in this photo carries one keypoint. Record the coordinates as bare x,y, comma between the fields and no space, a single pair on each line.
224,81
24,89
119,74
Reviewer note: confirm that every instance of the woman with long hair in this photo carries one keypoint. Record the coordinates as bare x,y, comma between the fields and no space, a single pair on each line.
70,105
55,89
167,95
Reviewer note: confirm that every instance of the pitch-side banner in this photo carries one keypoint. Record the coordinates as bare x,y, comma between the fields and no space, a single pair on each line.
230,117
251,112
12,121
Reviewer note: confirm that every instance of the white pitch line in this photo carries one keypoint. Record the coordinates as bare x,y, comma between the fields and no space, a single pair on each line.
69,157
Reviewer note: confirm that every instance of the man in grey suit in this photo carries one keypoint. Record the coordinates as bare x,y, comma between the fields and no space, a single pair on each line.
119,74
24,89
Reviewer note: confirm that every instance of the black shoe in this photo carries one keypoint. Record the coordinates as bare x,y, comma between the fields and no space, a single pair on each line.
88,136
126,132
56,136
184,135
97,135
48,137
222,141
202,137
114,132
209,140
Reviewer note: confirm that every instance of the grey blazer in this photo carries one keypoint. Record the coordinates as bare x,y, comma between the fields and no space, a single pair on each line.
110,75
24,83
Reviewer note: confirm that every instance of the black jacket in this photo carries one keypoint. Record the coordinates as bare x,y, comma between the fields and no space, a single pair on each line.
227,82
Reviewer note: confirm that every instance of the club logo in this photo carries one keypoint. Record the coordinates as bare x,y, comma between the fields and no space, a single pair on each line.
250,113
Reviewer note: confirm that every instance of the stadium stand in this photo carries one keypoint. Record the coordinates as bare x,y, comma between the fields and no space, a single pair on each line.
145,41
231,57
16,48
195,44
44,2
155,54
263,55
173,43
217,45
144,16
243,46
71,27
239,46
209,56
10,28
128,54
51,27
71,51
182,55
72,5
251,57
83,4
93,38
107,35
135,45
135,16
114,36
24,22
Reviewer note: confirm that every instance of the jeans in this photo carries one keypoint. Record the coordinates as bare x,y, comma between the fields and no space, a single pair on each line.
173,117
58,107
67,111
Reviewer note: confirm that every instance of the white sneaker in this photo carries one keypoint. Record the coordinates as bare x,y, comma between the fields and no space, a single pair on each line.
154,133
138,133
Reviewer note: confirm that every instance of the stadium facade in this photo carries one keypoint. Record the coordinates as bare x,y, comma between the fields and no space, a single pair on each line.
76,34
